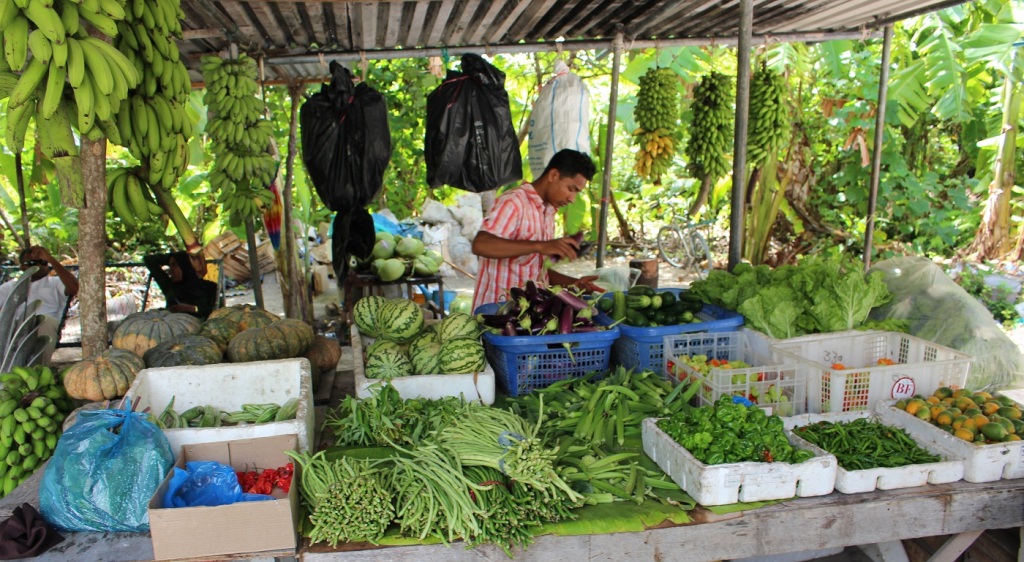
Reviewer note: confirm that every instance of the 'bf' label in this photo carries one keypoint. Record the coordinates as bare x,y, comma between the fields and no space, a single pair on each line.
903,388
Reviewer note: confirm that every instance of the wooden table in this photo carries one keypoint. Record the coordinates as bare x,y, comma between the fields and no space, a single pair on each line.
961,509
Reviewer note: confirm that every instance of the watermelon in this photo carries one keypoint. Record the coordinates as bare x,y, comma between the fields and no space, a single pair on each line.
425,352
365,314
387,363
459,325
383,345
400,320
462,303
462,356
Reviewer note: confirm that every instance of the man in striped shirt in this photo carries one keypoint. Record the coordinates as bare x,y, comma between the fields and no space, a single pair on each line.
519,231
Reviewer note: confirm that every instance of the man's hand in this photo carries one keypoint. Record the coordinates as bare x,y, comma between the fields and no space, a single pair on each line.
562,248
587,283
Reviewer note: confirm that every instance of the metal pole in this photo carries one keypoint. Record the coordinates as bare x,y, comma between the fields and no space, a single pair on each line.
876,152
606,180
739,163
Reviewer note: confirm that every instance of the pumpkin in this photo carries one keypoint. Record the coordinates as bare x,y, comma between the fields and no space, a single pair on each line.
220,330
281,340
141,331
323,354
245,315
105,376
188,349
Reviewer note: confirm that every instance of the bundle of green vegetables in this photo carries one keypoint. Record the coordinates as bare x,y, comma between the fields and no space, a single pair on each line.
385,419
818,295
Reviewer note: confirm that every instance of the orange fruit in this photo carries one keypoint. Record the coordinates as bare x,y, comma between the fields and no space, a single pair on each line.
990,407
932,400
971,412
986,395
965,434
944,392
915,405
960,392
944,418
1013,437
958,421
980,420
969,423
948,401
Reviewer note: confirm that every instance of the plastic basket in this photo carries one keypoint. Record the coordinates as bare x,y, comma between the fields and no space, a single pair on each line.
642,348
918,367
755,382
525,363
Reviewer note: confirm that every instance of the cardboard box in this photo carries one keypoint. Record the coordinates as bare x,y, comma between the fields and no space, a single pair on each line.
245,527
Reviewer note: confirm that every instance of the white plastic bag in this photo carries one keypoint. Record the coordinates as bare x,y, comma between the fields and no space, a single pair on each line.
560,118
434,212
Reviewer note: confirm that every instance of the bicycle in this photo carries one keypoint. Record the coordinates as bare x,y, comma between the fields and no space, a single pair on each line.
683,246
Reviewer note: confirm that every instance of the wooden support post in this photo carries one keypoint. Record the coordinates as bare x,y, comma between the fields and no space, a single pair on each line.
92,245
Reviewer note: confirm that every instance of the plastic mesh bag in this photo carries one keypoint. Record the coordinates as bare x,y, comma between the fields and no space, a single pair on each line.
103,472
560,118
940,311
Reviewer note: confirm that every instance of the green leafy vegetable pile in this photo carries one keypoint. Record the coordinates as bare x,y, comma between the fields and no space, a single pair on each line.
817,295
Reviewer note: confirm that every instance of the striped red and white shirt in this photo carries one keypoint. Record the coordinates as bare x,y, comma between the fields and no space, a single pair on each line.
519,214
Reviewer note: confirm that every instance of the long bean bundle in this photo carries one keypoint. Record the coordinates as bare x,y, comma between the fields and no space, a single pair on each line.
348,499
500,439
505,518
433,495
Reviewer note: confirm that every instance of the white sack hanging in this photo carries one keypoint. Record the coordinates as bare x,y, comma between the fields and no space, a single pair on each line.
560,118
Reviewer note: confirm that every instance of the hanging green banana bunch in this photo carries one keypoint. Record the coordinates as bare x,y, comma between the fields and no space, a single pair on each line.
711,135
239,137
769,117
657,118
48,47
153,125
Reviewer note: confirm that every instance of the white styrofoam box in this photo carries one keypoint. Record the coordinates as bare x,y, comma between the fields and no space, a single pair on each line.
910,365
949,469
755,382
982,463
472,386
227,386
724,484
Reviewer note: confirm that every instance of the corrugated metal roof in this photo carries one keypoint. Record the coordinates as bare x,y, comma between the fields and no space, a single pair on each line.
282,30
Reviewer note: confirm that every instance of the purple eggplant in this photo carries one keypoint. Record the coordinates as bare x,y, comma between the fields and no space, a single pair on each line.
494,320
565,321
567,297
586,329
517,293
531,292
510,329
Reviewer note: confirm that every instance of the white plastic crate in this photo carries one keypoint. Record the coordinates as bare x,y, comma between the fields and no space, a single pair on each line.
918,367
982,463
949,469
227,386
472,386
724,484
754,383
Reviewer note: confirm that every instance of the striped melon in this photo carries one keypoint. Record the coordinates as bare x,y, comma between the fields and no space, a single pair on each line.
462,356
365,314
425,353
384,345
387,363
459,325
400,320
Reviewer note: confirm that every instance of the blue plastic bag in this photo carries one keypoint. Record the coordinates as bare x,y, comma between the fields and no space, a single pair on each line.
208,484
104,471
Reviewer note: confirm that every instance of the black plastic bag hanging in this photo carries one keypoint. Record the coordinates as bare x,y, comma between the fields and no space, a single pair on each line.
353,237
346,142
470,141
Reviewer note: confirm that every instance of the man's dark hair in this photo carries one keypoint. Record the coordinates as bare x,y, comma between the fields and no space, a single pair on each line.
570,163
21,255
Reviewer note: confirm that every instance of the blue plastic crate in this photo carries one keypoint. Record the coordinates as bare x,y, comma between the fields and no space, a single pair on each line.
526,363
644,349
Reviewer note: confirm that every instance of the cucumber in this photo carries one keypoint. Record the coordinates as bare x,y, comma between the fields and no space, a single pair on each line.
638,301
618,306
667,297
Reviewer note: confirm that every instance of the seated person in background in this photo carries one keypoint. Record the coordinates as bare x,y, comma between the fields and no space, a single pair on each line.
182,286
53,291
